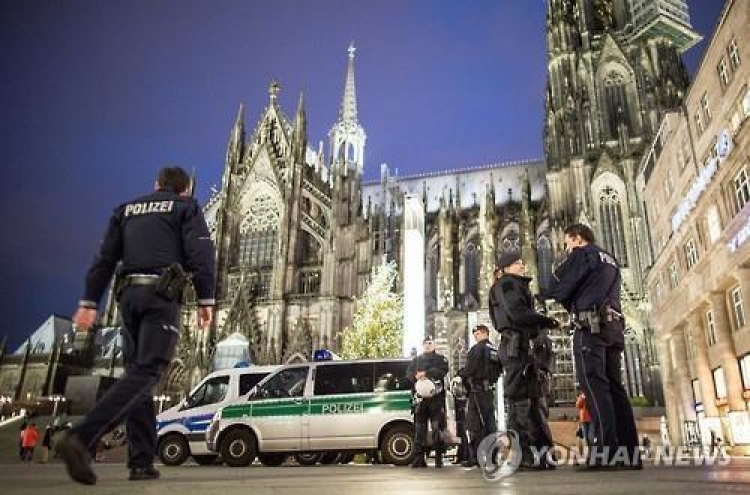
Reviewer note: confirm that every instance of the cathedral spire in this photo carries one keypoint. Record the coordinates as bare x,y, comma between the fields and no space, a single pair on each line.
348,111
347,135
300,130
236,140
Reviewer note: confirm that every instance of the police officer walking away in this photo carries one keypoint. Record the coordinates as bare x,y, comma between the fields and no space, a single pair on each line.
429,366
513,314
587,284
480,374
154,237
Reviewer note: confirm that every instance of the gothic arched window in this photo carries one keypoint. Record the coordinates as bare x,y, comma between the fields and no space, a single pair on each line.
615,103
612,225
258,240
544,260
471,272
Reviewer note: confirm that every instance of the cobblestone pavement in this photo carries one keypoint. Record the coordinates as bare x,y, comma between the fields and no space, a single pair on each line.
189,479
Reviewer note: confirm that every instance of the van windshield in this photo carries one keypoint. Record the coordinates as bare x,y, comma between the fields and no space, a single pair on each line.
212,391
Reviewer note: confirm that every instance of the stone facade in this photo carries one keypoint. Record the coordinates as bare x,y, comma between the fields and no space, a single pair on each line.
697,184
614,69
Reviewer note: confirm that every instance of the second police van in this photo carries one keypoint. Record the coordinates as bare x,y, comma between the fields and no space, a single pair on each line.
329,406
181,429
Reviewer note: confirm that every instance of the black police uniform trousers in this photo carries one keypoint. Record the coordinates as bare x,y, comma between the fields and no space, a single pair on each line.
460,405
430,410
150,335
522,394
598,360
480,417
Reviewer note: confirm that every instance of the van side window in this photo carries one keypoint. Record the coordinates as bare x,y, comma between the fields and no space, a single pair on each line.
212,391
249,380
289,382
391,375
344,379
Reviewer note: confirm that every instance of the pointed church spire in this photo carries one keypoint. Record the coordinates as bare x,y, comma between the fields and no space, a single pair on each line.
300,130
348,112
236,139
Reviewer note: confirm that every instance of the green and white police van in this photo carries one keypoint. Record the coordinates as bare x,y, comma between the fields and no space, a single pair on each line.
309,408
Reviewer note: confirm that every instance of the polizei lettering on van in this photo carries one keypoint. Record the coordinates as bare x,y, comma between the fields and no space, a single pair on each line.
343,408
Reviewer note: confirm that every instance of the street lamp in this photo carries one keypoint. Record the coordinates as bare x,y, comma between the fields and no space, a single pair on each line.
56,399
161,399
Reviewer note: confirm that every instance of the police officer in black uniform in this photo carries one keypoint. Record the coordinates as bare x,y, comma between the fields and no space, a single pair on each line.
587,284
153,237
432,366
480,375
513,314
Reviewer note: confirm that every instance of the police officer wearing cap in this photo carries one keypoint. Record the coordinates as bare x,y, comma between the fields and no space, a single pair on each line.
587,284
513,315
153,237
429,401
480,375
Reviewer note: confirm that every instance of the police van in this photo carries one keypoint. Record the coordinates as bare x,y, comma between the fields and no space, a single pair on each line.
182,428
333,406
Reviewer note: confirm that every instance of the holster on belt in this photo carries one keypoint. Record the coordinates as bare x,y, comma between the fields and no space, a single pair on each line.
172,282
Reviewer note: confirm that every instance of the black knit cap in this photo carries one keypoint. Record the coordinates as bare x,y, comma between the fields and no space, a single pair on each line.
507,258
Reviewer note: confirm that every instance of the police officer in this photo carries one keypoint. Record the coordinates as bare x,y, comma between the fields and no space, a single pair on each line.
429,366
153,237
513,314
480,374
587,284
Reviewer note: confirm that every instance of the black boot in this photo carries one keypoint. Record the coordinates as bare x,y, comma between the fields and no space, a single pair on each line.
419,462
147,473
77,460
438,460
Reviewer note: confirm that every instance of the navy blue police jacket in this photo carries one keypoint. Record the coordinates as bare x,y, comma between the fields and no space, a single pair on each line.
587,279
150,233
433,364
512,306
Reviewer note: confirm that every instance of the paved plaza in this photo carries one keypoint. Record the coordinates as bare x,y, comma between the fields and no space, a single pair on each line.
190,479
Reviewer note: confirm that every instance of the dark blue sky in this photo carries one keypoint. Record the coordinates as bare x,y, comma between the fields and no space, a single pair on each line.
96,96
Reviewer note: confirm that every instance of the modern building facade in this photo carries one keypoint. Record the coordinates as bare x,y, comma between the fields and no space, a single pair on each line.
696,180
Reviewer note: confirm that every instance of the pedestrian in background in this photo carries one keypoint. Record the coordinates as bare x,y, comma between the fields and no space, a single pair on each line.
46,444
584,419
30,439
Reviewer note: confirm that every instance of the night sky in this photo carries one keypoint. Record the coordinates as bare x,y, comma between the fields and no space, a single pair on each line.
96,96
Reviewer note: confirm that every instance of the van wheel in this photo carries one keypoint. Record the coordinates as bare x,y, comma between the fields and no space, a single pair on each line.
205,460
307,458
173,449
238,448
397,446
272,460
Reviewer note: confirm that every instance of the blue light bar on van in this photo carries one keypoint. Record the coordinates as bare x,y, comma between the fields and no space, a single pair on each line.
324,355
